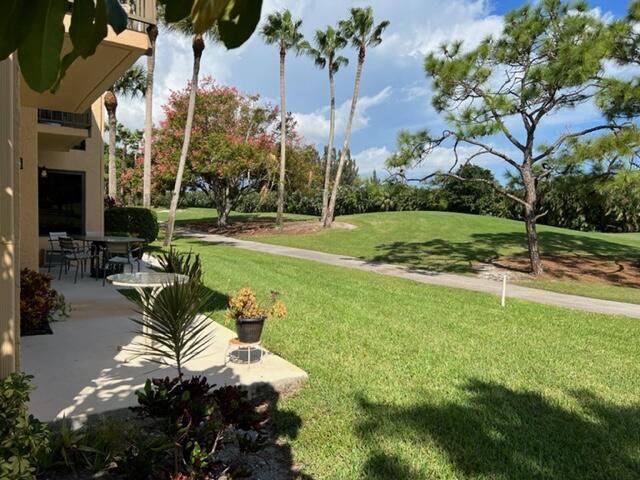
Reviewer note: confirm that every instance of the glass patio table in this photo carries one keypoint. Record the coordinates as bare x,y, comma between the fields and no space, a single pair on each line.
140,281
96,241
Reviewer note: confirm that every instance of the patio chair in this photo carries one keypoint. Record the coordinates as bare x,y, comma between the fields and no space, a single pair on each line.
72,253
54,248
118,255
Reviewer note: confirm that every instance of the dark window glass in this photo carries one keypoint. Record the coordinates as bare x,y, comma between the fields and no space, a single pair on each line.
61,202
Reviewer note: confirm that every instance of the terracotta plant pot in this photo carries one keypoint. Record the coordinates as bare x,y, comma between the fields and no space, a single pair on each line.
249,330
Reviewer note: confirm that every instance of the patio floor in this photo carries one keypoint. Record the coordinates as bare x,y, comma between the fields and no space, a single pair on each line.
80,370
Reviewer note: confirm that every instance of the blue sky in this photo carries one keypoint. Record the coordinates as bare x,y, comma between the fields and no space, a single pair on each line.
394,94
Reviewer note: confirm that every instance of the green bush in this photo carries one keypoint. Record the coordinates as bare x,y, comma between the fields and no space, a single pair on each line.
23,438
139,222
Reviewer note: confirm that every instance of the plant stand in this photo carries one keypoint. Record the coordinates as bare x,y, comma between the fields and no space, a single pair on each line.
236,345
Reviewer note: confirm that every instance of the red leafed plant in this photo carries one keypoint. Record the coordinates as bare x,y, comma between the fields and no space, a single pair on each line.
38,301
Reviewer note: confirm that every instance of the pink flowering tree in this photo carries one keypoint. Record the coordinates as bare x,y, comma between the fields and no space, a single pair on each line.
232,144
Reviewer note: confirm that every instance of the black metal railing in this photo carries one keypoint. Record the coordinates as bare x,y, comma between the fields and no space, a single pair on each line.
65,119
142,13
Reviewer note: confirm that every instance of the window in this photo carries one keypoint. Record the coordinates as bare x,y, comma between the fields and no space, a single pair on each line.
61,202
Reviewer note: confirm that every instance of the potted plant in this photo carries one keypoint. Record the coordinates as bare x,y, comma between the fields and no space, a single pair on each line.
250,315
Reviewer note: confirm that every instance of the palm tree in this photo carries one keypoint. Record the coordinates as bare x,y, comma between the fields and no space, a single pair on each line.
131,84
197,44
152,32
283,31
324,54
363,33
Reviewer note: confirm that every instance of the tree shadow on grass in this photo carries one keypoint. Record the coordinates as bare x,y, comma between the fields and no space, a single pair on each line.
441,255
505,433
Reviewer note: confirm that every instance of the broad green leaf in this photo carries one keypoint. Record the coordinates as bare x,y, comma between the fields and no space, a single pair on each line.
88,28
239,21
39,53
176,10
205,13
14,23
116,16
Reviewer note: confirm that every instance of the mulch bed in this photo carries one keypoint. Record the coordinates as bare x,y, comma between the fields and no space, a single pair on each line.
621,272
260,226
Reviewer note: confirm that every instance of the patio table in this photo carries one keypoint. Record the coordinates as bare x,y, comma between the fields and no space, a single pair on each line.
140,281
102,240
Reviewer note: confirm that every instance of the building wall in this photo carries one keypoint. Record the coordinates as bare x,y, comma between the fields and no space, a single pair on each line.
9,219
89,161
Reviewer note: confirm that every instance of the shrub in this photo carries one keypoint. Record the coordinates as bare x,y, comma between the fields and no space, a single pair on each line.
22,437
139,222
38,301
194,417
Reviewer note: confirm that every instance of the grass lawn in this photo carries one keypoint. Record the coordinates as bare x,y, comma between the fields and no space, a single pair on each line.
412,381
209,215
451,242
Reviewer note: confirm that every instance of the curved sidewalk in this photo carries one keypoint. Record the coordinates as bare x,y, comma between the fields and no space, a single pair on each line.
435,278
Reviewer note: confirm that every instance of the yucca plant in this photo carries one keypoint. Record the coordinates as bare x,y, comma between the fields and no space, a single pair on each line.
172,325
184,263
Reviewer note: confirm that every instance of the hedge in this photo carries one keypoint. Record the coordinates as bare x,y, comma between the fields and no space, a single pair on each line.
136,221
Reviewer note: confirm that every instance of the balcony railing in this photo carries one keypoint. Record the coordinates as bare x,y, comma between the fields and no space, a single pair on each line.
141,13
65,119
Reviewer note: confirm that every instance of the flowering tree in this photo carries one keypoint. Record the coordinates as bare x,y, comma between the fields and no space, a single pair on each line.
232,145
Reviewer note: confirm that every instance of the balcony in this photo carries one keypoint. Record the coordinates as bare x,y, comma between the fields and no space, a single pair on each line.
87,79
61,131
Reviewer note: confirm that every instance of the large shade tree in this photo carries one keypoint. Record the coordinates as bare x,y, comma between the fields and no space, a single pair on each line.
232,146
363,33
324,51
549,59
131,84
282,30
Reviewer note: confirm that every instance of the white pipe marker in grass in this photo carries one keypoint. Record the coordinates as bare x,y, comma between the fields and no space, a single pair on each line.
503,300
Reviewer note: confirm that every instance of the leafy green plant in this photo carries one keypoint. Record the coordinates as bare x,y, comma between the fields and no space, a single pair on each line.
194,415
184,263
172,326
137,221
22,437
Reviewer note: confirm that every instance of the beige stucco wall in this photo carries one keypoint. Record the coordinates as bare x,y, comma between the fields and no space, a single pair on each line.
88,161
9,219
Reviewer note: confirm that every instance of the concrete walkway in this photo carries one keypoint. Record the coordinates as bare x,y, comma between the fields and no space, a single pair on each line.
86,367
435,278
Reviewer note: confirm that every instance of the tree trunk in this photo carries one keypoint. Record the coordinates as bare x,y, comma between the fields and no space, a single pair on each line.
530,222
332,125
111,104
283,143
345,142
224,209
198,47
152,32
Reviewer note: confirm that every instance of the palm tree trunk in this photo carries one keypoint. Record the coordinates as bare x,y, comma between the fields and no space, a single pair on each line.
332,125
345,143
152,32
283,143
111,104
198,47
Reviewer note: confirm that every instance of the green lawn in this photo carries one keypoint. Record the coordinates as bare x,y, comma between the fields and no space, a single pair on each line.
451,242
411,381
210,215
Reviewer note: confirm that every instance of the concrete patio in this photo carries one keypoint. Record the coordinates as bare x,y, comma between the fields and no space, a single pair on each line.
81,370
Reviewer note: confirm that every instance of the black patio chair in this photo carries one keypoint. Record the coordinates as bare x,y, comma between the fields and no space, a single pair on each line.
73,253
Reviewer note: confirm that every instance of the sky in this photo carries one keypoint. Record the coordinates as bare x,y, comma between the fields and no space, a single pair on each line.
394,93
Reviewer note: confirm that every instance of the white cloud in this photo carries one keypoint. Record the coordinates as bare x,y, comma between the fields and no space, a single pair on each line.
314,126
371,159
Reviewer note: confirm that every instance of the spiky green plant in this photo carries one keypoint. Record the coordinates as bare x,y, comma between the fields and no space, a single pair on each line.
172,326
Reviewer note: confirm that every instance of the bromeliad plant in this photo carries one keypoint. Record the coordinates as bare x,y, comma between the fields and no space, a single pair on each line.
172,325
